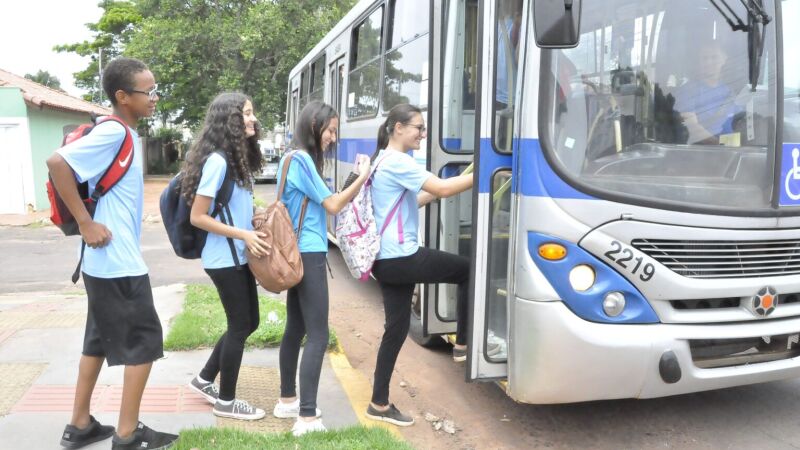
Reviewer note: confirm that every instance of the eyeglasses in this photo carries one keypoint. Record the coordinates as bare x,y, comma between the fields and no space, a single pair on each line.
421,128
152,94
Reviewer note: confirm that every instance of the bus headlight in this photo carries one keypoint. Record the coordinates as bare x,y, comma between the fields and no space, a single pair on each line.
614,304
581,277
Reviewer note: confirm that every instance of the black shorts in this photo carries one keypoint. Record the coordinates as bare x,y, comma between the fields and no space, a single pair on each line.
122,324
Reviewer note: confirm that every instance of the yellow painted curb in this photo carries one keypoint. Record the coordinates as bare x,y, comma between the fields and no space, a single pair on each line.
358,389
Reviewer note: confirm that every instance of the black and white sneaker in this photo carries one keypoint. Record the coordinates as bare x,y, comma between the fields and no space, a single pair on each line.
144,438
459,354
238,409
75,437
209,391
391,415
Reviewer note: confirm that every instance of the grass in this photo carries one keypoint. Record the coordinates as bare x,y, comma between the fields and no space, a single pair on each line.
352,438
259,202
202,322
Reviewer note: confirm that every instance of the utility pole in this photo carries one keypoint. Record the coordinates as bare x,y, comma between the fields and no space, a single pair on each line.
100,75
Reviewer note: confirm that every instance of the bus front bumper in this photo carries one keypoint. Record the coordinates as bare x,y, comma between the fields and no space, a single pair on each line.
557,357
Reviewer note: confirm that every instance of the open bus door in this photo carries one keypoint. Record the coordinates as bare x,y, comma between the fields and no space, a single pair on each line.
494,214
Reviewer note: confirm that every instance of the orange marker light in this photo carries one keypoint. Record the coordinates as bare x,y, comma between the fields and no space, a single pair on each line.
552,252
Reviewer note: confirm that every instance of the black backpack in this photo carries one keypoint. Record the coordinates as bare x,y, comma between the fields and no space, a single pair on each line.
186,239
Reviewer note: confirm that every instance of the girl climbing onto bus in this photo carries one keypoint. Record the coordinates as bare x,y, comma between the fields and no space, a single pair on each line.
399,187
308,198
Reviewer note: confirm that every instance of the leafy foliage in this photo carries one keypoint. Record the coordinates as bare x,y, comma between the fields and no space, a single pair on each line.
198,48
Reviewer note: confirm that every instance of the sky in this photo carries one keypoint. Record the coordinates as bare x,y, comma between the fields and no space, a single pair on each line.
29,29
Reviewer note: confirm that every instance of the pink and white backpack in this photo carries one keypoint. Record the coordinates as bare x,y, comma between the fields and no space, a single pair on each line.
357,232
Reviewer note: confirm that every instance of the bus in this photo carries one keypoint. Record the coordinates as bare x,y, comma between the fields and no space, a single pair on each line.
634,229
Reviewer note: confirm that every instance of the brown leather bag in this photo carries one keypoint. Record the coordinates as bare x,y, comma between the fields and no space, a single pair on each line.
281,268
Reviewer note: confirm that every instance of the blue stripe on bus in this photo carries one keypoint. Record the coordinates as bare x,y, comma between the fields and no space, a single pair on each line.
537,178
588,305
452,144
349,148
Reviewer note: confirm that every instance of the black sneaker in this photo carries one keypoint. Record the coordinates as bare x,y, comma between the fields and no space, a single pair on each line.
459,354
75,437
391,415
144,438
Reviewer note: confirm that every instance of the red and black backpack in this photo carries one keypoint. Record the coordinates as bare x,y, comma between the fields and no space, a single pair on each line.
59,213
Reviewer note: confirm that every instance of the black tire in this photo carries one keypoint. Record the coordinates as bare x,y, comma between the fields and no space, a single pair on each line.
415,327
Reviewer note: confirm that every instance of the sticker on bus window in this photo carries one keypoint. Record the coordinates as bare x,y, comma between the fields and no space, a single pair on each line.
790,175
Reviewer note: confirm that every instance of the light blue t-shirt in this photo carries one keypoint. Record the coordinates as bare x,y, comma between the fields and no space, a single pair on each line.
217,252
302,181
120,209
397,173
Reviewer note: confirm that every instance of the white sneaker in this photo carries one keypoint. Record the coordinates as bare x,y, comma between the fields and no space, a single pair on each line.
302,427
289,410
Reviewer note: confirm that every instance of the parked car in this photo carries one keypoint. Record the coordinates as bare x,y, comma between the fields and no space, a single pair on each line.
269,172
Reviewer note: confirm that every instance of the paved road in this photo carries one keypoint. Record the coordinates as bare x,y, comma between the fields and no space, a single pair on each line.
754,417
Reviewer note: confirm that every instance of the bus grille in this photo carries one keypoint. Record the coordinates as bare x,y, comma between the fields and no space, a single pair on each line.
715,353
724,259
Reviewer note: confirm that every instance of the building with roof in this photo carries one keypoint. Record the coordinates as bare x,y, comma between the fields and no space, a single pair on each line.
33,121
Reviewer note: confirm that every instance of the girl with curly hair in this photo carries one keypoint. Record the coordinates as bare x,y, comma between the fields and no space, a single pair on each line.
228,142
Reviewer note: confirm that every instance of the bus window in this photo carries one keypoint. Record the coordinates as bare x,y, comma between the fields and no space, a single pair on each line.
496,337
365,62
406,73
292,115
459,80
791,72
506,60
317,80
655,105
303,89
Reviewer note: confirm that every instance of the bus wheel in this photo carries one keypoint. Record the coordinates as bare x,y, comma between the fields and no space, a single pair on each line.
415,328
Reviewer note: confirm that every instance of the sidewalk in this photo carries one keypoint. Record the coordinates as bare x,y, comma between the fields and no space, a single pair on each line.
40,342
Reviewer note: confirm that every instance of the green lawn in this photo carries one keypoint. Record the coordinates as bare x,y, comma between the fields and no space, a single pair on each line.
202,322
352,438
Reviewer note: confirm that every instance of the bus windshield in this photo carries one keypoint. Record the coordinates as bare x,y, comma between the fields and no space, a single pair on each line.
656,103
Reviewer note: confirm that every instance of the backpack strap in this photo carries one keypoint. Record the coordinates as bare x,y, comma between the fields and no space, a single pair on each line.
396,209
282,185
114,173
221,207
119,166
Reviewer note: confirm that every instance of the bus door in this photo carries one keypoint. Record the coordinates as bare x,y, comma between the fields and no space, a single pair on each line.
336,83
451,133
501,56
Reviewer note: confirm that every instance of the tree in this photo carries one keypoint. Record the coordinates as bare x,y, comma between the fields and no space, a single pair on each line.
44,77
111,33
198,48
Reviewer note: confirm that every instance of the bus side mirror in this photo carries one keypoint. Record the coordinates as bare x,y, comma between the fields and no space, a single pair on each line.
557,23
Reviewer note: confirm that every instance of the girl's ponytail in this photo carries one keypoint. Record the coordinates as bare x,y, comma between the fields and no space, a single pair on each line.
383,138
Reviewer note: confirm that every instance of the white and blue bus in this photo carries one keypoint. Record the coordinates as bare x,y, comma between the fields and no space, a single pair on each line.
634,230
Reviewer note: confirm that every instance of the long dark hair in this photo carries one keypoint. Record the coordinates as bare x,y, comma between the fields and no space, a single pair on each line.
314,119
402,113
224,130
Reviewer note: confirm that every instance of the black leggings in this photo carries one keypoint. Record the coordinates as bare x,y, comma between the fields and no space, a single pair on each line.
306,315
397,278
238,292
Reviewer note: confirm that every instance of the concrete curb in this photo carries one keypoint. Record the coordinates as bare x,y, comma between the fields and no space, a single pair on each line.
358,389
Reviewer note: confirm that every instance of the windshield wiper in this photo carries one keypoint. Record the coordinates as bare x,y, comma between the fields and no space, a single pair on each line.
757,19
